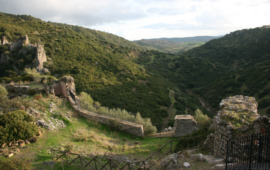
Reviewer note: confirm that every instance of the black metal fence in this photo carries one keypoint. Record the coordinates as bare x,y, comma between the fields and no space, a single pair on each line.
249,153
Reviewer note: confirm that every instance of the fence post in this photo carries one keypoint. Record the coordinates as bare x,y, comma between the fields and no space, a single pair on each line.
227,153
171,148
250,155
95,163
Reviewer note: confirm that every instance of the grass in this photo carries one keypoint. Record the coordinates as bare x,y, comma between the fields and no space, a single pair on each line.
84,137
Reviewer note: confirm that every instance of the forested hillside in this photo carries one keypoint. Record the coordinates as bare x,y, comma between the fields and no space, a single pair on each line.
102,65
174,45
121,74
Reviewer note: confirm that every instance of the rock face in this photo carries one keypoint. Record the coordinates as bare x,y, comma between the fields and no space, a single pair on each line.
21,41
236,114
63,87
40,57
170,162
184,124
4,40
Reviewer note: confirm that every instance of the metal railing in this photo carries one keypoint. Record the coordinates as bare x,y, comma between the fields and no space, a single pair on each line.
103,162
249,153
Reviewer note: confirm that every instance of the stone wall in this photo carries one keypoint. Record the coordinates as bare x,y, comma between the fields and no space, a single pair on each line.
124,126
184,124
234,118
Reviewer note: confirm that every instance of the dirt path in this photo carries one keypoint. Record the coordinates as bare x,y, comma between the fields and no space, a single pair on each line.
171,111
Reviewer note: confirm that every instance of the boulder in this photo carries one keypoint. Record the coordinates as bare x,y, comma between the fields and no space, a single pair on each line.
170,162
3,145
186,164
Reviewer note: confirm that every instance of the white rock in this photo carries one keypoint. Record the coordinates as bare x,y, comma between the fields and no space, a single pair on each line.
186,164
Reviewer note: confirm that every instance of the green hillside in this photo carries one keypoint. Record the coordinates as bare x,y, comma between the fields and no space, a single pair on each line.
175,45
105,70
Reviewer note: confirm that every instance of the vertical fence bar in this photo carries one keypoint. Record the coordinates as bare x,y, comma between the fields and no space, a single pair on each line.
250,155
171,148
227,154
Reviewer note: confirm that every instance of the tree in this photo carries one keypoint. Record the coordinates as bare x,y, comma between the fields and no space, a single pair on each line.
202,120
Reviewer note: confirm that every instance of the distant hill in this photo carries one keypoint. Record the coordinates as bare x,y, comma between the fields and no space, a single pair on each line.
174,45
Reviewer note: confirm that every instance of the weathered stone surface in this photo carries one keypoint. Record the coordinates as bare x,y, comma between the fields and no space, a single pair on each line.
236,114
186,164
49,89
170,162
53,108
40,58
4,40
21,89
184,124
18,43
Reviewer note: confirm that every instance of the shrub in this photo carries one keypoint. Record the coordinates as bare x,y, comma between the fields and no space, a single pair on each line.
3,92
202,120
38,97
16,125
15,163
86,98
32,92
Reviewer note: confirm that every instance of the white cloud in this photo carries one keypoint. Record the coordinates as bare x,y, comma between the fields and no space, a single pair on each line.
137,19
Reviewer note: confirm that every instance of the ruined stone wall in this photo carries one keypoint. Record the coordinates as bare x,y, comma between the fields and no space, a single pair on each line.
235,116
124,126
184,124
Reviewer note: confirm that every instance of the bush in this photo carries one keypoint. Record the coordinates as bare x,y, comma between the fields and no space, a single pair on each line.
202,120
38,97
16,125
32,92
15,164
3,92
86,98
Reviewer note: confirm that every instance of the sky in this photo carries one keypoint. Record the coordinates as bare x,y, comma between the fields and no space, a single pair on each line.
144,19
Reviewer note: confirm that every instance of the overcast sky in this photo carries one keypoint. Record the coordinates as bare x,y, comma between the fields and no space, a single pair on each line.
143,19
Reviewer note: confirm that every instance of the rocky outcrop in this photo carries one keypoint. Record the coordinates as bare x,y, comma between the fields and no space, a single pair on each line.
18,43
184,124
236,114
40,58
170,162
49,89
4,40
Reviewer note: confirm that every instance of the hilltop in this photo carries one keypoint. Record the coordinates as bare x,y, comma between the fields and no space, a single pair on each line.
175,45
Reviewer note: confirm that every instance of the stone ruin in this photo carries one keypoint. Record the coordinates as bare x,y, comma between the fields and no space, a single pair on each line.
184,124
40,54
62,87
237,117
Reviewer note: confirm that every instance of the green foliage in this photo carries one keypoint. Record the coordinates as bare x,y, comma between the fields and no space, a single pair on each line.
32,92
190,143
86,98
16,125
264,103
268,111
202,120
15,163
3,92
